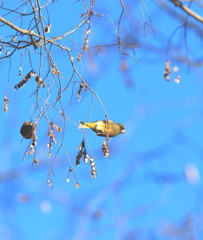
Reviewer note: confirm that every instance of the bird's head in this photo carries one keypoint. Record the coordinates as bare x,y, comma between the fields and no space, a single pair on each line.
122,128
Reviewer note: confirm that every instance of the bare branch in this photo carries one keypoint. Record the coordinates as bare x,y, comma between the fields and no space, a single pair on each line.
193,14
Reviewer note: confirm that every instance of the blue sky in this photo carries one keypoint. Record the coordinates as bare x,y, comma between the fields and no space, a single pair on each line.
150,185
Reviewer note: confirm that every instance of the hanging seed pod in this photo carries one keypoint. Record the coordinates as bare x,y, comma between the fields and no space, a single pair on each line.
49,182
105,148
177,79
79,92
86,157
40,81
25,80
6,104
79,57
92,163
28,130
58,129
47,28
35,160
167,71
94,173
13,39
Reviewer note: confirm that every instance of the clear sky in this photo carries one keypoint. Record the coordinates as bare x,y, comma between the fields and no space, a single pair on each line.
151,186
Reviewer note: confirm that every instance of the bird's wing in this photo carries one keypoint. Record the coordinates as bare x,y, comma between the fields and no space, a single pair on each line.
104,121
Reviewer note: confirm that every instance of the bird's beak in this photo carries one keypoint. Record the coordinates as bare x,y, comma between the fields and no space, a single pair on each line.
123,131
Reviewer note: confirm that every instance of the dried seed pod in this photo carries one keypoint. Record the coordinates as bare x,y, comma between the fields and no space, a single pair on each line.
175,69
79,57
86,157
28,130
32,150
40,81
47,28
79,92
85,46
58,129
94,172
49,182
6,104
85,86
91,161
13,39
25,80
177,79
81,153
106,154
80,147
105,148
36,161
34,143
167,70
49,145
77,162
55,71
51,136
6,99
20,71
94,167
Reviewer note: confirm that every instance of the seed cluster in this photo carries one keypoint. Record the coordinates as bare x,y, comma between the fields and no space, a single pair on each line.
71,170
83,153
51,136
33,145
83,85
93,165
105,148
6,104
27,78
167,72
85,46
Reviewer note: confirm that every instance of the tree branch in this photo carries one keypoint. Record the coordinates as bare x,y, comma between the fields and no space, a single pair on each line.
193,14
20,30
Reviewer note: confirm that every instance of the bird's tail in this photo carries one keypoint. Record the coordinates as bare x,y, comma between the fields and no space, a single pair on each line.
84,125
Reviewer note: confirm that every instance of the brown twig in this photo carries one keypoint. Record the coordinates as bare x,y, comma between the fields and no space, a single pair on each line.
186,9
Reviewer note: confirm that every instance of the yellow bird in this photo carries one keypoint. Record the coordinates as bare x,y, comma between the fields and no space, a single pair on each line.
104,128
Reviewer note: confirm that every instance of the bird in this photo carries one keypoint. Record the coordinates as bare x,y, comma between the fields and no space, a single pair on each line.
104,128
